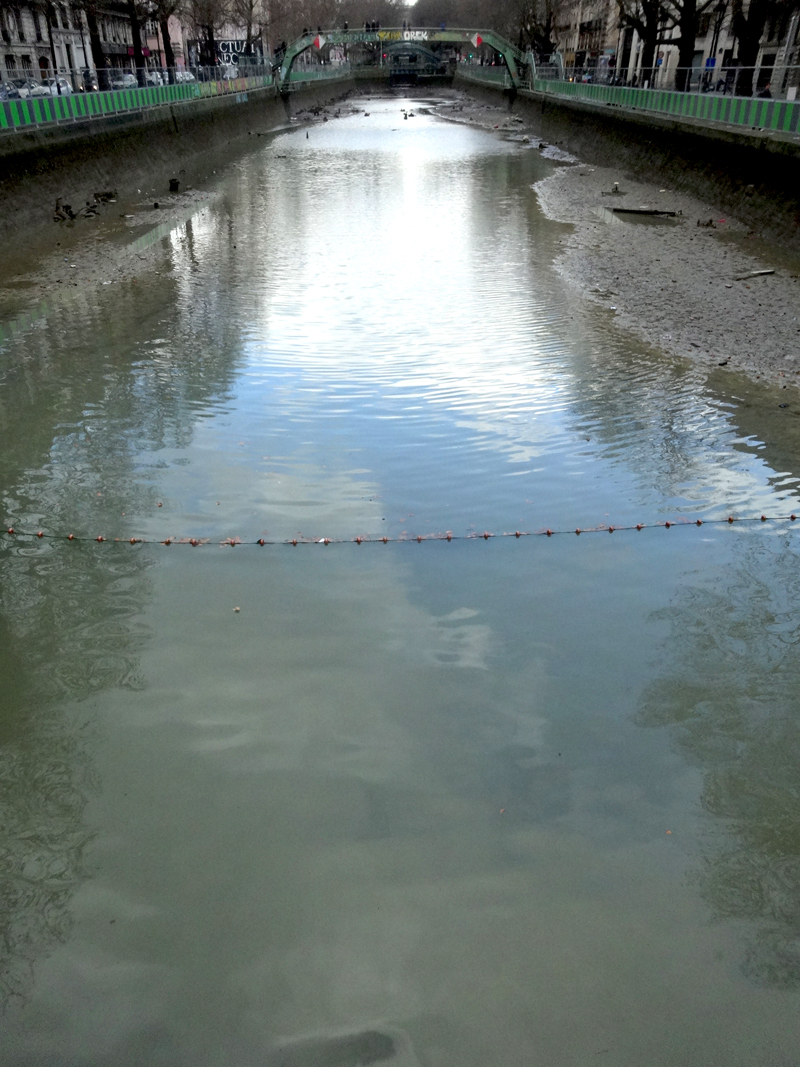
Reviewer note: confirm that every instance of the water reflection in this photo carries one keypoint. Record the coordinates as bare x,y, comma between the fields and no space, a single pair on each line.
79,432
730,691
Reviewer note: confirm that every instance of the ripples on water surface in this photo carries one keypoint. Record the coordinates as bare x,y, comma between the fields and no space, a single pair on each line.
509,803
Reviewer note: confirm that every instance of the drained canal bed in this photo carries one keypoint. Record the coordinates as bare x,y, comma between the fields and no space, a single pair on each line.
454,804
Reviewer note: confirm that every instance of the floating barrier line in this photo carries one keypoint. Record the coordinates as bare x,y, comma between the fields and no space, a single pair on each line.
232,542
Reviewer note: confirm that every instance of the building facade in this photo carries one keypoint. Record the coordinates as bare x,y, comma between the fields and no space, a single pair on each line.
596,44
35,38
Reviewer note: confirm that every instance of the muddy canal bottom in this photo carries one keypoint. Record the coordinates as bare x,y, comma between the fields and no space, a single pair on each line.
450,804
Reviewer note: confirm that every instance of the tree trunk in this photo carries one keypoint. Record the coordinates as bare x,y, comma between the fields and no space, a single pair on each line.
748,30
136,33
649,43
98,56
687,23
208,47
169,55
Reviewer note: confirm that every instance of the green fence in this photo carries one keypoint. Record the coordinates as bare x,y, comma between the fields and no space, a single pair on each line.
493,75
299,76
779,115
78,107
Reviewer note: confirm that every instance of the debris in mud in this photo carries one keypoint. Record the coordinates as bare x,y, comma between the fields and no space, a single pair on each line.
656,283
708,225
174,185
645,211
753,274
614,191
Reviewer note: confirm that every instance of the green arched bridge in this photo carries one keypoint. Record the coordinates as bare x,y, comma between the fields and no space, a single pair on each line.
515,60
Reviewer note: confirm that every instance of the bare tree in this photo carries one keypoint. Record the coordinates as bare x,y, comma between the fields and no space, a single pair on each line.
96,44
207,16
137,14
685,15
535,25
527,23
649,19
250,15
162,11
749,21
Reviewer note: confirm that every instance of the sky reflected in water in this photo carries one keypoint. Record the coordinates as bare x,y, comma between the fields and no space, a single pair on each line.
502,802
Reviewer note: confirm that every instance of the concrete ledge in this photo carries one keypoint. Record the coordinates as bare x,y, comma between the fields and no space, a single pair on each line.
750,137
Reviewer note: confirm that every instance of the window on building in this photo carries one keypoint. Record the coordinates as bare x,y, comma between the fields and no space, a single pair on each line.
64,19
4,28
37,24
20,26
11,64
25,63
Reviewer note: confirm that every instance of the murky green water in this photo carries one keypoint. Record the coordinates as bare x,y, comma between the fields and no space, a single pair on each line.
512,802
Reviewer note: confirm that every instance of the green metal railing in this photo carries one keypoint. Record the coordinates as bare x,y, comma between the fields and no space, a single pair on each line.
78,107
493,75
381,38
780,115
300,75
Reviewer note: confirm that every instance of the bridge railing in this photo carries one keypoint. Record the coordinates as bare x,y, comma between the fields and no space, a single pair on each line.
494,75
75,95
379,38
755,112
300,76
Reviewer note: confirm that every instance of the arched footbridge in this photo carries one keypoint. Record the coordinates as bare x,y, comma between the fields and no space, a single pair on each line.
520,65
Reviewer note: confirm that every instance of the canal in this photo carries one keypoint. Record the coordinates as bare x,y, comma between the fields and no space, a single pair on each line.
451,803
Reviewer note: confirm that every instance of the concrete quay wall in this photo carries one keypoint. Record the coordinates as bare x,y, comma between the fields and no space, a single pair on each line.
753,175
134,149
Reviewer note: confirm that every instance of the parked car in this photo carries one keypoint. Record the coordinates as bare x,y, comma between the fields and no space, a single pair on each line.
122,79
154,77
184,76
40,89
56,84
24,86
8,91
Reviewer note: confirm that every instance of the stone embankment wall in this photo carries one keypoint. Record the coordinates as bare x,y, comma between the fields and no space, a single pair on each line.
752,175
128,151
